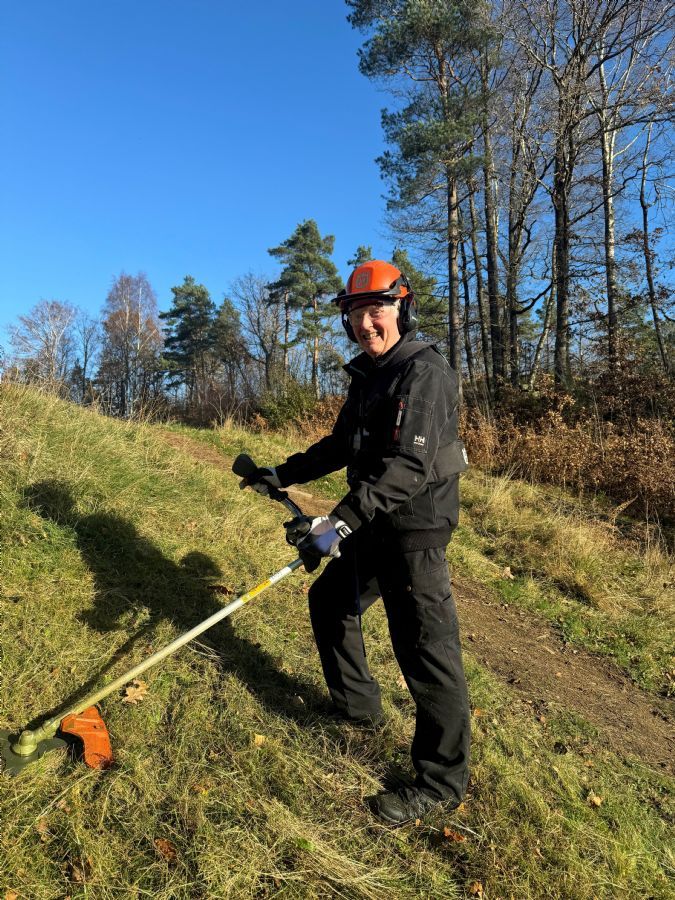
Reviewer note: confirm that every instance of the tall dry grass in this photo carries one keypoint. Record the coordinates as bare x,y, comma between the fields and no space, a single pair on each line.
633,466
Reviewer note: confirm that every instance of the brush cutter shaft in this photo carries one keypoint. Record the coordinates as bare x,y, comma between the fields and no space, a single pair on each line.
28,739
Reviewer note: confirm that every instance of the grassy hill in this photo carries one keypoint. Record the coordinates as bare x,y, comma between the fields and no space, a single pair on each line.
229,779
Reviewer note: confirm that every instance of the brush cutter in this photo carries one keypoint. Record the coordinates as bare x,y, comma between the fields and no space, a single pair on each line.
83,720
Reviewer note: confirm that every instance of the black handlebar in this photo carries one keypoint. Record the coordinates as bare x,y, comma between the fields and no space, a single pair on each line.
243,466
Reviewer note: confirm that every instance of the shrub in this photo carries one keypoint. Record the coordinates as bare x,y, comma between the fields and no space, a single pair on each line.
633,464
294,405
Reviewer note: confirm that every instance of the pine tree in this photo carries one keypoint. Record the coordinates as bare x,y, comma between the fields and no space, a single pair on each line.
308,277
431,306
229,346
190,339
362,254
424,47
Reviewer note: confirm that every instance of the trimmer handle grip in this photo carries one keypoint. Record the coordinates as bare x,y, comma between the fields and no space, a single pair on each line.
243,466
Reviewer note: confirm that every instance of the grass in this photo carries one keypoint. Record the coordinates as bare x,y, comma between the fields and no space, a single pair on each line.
229,781
608,589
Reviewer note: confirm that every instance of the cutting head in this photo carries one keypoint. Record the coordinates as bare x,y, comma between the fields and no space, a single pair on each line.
12,763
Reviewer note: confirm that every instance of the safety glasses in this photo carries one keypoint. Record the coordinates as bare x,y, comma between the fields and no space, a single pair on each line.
374,311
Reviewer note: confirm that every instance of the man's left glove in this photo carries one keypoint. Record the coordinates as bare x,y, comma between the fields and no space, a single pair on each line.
261,480
316,537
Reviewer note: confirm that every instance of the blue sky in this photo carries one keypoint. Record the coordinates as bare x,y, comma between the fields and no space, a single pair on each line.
177,138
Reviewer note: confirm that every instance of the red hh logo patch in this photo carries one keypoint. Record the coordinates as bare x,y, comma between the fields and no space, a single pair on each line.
362,281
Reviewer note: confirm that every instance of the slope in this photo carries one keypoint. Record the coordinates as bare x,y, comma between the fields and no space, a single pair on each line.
230,780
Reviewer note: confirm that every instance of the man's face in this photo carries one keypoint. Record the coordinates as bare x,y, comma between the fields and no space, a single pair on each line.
375,327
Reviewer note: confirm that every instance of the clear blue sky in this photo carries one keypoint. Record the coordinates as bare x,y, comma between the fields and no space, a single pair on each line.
177,137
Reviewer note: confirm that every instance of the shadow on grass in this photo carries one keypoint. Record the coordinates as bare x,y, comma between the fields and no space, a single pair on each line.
131,573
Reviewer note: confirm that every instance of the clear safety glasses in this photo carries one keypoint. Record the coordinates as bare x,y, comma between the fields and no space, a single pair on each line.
374,311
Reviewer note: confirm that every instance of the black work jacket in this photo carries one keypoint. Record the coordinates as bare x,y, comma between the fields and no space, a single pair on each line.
397,435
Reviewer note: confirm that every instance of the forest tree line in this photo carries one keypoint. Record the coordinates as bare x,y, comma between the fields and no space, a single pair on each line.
529,178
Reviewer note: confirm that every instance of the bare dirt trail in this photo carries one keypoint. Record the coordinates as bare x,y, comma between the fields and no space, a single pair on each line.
529,655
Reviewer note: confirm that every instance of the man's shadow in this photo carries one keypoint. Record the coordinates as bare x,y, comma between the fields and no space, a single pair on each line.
131,573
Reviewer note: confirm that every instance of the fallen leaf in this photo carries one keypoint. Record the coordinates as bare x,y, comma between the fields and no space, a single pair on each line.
476,889
200,789
400,681
166,849
135,692
507,573
594,800
453,835
42,829
304,844
11,895
79,871
541,719
478,712
418,821
259,740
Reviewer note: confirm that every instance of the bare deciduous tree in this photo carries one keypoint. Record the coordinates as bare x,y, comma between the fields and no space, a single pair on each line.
44,342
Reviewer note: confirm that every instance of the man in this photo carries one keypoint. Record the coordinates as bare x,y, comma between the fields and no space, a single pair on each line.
397,435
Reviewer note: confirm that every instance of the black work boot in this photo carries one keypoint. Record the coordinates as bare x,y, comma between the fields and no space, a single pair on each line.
406,804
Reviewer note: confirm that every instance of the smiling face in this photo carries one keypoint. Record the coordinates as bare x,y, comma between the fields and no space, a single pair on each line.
376,327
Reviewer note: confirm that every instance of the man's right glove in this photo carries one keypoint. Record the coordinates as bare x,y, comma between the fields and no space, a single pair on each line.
261,480
316,537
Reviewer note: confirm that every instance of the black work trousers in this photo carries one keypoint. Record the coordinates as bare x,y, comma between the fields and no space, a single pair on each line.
415,588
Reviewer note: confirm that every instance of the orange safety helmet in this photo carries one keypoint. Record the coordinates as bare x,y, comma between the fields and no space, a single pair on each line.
371,281
378,280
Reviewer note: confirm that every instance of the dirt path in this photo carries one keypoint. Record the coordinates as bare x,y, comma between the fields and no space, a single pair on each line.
529,655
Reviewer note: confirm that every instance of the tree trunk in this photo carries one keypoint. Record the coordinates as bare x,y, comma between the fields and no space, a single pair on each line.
287,332
648,257
543,337
315,352
496,332
480,295
607,139
512,272
562,248
454,326
468,350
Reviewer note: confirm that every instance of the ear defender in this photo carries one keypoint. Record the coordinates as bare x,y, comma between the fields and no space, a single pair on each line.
408,319
347,325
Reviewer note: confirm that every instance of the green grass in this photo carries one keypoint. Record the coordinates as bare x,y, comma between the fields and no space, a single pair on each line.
229,782
570,563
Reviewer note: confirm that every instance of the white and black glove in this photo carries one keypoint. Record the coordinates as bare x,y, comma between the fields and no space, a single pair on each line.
261,480
316,537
